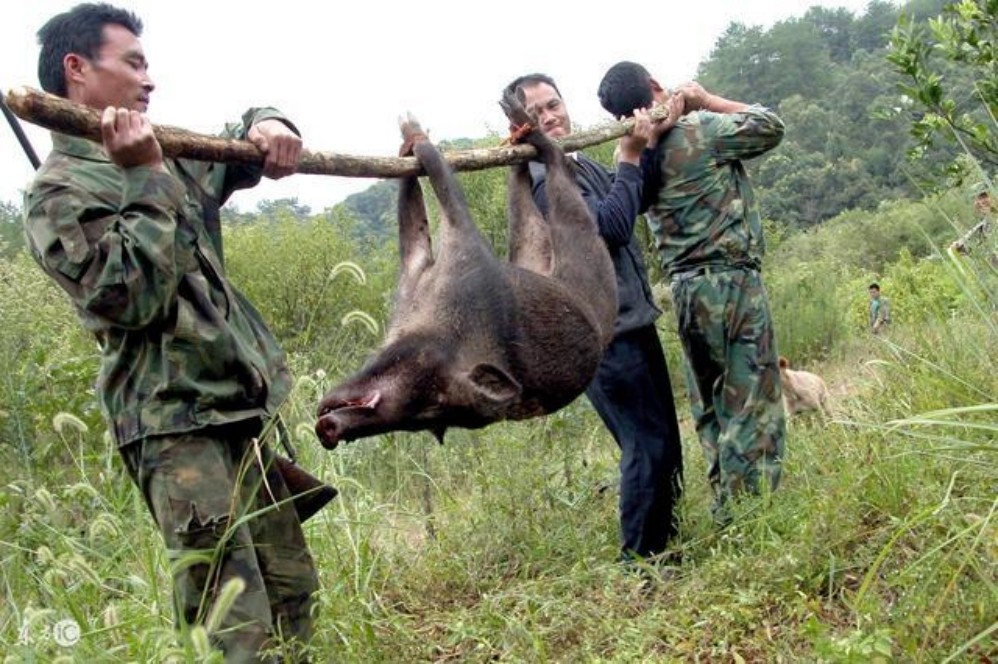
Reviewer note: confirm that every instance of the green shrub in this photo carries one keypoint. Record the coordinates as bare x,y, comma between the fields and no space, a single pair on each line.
308,278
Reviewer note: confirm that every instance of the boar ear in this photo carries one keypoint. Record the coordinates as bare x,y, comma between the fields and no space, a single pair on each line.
489,382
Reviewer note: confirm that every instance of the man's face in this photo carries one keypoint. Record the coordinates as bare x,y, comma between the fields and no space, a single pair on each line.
547,108
118,76
982,204
874,293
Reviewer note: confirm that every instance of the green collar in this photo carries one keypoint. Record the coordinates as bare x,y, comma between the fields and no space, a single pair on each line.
83,148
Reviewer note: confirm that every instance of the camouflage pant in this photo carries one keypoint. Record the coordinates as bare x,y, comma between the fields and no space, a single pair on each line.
197,486
734,378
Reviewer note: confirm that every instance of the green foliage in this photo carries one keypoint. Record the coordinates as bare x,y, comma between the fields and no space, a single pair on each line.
870,240
818,279
768,66
281,207
49,362
949,75
11,235
485,192
878,547
376,209
922,290
297,273
827,76
806,312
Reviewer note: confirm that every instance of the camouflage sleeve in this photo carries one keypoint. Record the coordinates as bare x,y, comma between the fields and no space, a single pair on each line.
743,135
220,180
126,271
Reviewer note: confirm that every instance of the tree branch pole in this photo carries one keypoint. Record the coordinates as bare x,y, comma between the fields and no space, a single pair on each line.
981,229
22,138
66,117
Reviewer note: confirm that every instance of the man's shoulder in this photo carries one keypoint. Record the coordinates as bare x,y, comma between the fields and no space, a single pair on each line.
67,173
691,128
705,122
698,119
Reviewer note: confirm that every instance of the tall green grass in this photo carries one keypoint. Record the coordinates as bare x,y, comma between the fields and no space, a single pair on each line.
880,545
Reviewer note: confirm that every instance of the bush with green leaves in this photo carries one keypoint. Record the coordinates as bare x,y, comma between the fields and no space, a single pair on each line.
949,79
320,295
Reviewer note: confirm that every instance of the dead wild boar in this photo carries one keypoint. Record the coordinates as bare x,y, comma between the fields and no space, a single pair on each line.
472,339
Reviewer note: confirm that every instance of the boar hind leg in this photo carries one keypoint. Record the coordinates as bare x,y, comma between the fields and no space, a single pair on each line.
529,235
578,255
415,247
566,207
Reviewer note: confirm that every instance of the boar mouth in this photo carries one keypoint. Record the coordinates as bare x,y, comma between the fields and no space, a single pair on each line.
335,418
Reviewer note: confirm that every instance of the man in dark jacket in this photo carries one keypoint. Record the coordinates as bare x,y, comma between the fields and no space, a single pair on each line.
631,391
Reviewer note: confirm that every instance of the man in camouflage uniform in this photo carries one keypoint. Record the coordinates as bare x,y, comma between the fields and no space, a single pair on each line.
979,234
710,241
189,372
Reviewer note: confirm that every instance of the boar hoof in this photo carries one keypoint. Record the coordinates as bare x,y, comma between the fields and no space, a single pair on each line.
412,133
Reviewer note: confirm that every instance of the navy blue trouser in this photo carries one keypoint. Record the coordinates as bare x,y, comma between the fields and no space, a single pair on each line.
633,395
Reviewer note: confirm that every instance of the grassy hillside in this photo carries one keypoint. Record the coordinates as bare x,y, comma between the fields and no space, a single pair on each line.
881,545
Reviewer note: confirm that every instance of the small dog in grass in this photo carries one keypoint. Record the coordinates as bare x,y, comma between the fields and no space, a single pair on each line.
802,390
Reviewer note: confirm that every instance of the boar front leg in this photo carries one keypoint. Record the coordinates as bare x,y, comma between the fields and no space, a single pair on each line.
459,235
415,245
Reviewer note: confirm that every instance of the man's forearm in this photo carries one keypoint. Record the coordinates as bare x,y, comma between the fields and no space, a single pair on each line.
721,105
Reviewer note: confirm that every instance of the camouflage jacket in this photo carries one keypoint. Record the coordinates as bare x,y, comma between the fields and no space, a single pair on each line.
705,212
139,251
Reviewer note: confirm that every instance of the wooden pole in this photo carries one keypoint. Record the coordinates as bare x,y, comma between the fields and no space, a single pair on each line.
66,117
15,126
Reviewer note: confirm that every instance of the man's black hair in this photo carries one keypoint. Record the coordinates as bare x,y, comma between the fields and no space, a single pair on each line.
874,285
527,80
625,87
79,30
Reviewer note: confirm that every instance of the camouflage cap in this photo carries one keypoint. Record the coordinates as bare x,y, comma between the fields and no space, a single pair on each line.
981,187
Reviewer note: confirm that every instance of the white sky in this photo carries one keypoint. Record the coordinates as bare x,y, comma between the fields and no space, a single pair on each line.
344,71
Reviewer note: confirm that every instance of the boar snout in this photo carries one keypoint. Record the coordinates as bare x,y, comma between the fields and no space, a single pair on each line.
336,414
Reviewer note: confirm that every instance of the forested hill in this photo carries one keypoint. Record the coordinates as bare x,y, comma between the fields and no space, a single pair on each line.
827,75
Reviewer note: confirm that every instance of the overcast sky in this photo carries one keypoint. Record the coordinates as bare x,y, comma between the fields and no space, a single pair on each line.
343,72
